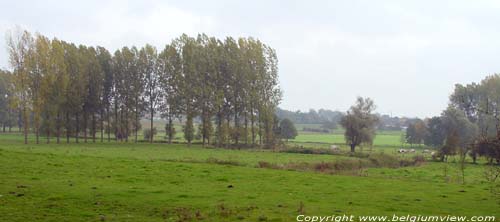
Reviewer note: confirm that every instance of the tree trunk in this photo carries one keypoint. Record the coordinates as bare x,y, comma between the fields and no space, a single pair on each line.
48,129
227,142
151,124
68,125
93,127
101,117
236,127
116,121
20,118
77,125
190,121
203,128
208,139
121,129
246,128
37,131
126,126
170,134
136,118
10,121
58,127
219,128
25,124
108,127
85,121
252,120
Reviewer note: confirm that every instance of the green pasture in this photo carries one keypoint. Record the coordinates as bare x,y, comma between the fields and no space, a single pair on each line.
161,182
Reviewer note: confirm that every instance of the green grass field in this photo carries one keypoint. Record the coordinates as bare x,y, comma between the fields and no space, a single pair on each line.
385,141
160,182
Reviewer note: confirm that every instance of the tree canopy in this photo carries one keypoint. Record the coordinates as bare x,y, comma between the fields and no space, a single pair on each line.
79,91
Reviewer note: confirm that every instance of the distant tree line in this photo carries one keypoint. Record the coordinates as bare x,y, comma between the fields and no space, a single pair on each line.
311,117
65,90
389,122
330,119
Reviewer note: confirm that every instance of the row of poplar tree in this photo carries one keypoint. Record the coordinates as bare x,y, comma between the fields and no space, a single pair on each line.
63,90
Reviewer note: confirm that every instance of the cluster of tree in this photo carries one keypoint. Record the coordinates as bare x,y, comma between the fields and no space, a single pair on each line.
470,124
416,132
447,132
480,106
79,91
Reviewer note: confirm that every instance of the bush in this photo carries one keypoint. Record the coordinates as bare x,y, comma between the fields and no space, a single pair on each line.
223,162
348,166
359,155
418,159
265,164
384,160
170,131
304,150
147,133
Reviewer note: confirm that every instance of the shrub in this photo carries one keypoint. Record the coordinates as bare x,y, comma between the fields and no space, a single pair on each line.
418,159
359,154
384,160
304,150
170,132
223,162
147,133
348,166
322,167
265,164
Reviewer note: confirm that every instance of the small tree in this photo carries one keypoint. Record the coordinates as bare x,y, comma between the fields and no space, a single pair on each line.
359,123
170,132
287,129
450,146
410,134
149,134
415,133
189,130
402,139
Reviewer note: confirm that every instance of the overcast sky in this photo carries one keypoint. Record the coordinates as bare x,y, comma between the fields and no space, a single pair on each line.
406,55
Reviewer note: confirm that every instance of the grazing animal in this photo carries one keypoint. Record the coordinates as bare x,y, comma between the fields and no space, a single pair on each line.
426,151
412,150
402,151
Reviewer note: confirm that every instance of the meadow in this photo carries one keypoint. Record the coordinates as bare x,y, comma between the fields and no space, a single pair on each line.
162,182
388,141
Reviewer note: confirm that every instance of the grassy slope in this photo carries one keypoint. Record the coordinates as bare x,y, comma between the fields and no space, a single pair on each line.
82,182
